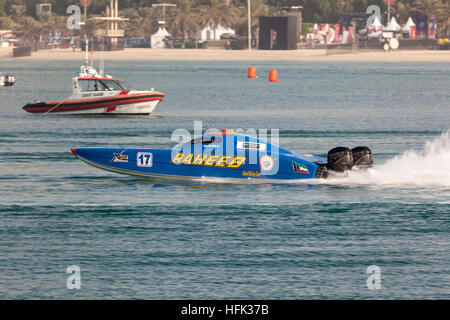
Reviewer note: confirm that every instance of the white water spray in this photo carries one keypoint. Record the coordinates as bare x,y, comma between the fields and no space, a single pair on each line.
429,167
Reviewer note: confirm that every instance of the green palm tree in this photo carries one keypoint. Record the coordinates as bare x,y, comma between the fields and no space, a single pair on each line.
52,22
18,10
259,8
429,8
7,22
401,10
344,6
18,20
142,21
218,13
184,19
445,27
29,27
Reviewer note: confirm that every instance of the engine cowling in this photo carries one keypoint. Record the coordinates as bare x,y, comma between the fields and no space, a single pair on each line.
340,159
9,81
362,156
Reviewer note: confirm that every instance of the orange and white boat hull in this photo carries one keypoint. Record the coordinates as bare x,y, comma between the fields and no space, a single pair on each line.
126,104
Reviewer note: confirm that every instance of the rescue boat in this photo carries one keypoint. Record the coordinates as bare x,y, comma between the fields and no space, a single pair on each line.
94,93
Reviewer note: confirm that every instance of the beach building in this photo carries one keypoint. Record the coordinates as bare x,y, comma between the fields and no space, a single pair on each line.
7,38
43,8
208,33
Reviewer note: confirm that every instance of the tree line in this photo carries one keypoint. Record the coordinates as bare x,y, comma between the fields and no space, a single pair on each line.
191,15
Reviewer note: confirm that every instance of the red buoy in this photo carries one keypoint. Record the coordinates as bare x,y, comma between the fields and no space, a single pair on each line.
252,72
273,75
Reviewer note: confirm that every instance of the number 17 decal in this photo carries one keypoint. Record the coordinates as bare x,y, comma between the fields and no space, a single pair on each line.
144,159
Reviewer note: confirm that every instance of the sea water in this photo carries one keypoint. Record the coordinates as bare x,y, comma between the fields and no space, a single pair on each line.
153,239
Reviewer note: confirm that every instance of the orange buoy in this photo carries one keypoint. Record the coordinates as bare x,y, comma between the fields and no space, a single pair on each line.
252,72
273,75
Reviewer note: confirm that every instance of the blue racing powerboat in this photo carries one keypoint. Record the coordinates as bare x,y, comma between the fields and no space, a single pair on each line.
226,156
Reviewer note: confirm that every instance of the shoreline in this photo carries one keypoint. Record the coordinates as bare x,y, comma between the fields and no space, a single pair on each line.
300,55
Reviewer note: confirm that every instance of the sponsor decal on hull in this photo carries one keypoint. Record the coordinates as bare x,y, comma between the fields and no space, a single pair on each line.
250,173
299,168
119,157
251,145
266,162
209,160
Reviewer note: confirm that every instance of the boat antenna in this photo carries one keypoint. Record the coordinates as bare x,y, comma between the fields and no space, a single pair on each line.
86,39
102,66
87,50
92,55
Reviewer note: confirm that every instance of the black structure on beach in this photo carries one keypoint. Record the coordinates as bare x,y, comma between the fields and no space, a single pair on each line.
278,33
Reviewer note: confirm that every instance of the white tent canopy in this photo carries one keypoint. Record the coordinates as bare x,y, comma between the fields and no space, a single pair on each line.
407,27
157,39
393,25
376,23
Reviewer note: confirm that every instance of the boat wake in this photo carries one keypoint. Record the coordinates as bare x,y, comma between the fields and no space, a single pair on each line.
429,167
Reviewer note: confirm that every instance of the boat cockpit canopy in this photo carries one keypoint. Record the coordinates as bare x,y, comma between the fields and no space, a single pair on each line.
87,85
206,140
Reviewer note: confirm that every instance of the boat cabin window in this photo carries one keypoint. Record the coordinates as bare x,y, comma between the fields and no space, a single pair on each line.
125,85
205,140
103,85
92,85
112,85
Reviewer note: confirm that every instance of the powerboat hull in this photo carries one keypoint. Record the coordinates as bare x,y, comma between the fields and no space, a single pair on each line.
161,163
227,157
133,104
221,157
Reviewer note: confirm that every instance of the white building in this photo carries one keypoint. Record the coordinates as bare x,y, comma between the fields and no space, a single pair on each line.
207,33
43,7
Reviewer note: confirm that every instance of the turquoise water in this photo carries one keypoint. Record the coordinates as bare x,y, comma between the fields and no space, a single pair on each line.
150,239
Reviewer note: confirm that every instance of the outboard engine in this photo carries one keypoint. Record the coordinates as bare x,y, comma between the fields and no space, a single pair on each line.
322,172
362,157
340,159
8,81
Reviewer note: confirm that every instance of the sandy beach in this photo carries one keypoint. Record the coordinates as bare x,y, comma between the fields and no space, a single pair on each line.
238,55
